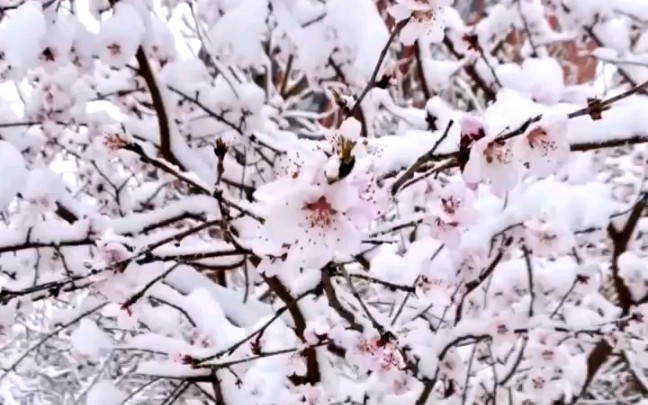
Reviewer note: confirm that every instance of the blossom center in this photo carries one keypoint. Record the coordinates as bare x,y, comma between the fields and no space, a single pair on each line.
320,212
422,16
496,152
114,49
537,137
450,205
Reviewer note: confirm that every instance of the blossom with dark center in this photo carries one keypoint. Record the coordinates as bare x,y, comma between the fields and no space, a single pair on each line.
315,221
492,159
320,212
543,148
426,19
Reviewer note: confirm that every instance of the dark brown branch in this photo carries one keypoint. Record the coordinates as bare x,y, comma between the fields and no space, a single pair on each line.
472,285
334,302
620,240
158,103
140,293
420,161
372,80
206,110
262,328
65,214
421,71
312,367
471,72
51,245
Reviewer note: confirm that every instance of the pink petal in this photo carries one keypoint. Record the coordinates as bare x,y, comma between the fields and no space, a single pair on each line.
411,32
435,31
399,12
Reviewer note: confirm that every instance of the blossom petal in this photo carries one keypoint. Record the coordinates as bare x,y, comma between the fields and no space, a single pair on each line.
411,32
399,12
435,31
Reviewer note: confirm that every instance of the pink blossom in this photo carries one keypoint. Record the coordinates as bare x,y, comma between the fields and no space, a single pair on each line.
547,238
543,148
426,19
373,200
456,201
121,35
471,127
470,262
200,338
451,214
376,354
316,222
446,230
547,355
492,159
113,253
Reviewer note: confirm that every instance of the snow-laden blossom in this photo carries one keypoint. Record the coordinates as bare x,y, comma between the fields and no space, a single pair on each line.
372,201
159,41
42,189
451,213
57,44
200,338
351,128
446,230
548,238
236,47
543,147
470,261
121,35
638,324
426,19
547,355
492,159
378,354
472,129
502,329
271,266
83,47
113,253
452,367
234,208
25,32
456,201
316,221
